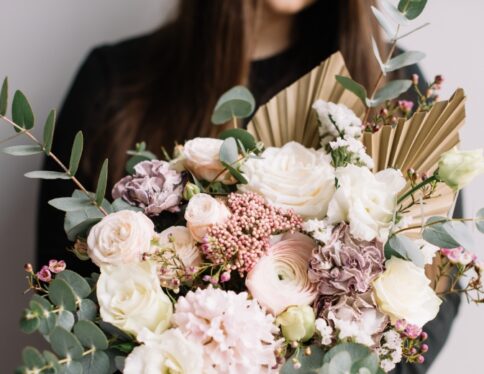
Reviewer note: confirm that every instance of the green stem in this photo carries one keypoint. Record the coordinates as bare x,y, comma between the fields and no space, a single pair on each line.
419,186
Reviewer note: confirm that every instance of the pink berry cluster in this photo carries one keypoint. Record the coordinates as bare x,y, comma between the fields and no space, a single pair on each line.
244,238
413,341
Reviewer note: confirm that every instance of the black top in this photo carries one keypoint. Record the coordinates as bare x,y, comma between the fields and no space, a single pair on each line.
85,109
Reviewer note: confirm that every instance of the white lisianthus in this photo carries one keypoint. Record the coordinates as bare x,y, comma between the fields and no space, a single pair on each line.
202,212
403,292
183,243
365,200
292,177
130,298
336,121
201,157
458,168
170,352
297,323
120,238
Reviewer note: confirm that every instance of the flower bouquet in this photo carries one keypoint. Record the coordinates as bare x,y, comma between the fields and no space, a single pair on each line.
296,246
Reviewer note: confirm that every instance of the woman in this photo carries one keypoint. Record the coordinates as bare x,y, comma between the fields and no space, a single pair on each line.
162,88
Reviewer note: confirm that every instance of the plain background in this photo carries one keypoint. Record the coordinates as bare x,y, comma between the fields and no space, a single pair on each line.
42,44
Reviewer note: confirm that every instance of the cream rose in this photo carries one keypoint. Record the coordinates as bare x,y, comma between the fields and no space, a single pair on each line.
365,200
171,352
130,297
120,238
458,168
183,243
292,177
403,292
297,323
202,212
201,157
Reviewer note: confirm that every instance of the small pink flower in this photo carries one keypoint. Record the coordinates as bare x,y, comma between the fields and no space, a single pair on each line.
57,266
405,105
412,331
225,277
44,274
400,325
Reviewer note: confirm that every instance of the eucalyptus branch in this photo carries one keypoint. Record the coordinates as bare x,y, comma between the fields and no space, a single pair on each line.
57,161
417,187
477,219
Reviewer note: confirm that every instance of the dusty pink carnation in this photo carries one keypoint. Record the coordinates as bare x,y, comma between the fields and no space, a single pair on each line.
237,336
345,264
154,186
244,238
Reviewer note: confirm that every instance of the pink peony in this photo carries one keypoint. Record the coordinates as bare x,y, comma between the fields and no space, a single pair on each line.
154,186
280,278
237,336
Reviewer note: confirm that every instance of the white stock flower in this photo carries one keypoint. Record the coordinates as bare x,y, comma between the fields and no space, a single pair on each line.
201,157
336,121
292,177
202,212
458,168
365,200
170,352
403,291
120,238
130,298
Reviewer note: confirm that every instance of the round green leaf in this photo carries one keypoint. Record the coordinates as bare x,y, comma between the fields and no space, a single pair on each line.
309,364
97,362
87,310
237,102
52,360
244,136
79,285
348,357
229,152
32,358
29,322
65,343
61,294
65,320
90,335
73,367
411,8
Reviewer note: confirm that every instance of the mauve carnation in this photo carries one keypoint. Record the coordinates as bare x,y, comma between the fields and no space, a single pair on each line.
345,264
154,186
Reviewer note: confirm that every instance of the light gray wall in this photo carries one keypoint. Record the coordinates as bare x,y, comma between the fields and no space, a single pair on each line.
41,46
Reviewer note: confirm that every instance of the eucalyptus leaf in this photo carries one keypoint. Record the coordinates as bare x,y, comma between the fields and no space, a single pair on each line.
376,52
79,285
81,229
235,173
480,220
65,319
79,222
404,59
229,152
435,233
96,362
411,9
133,161
4,97
386,25
61,294
49,128
237,102
352,86
32,358
394,13
47,174
52,360
76,153
87,310
119,204
22,113
22,150
102,183
90,335
72,367
244,136
460,233
69,204
309,364
396,246
29,322
350,357
389,91
65,343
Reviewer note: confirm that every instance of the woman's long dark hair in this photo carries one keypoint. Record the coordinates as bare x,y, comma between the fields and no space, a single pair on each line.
202,53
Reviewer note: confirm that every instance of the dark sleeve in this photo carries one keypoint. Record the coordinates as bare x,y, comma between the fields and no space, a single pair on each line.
82,110
438,329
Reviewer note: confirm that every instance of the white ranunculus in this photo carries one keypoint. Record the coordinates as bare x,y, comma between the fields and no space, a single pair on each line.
403,291
120,238
183,243
292,177
297,323
201,157
458,168
202,212
130,298
365,200
170,352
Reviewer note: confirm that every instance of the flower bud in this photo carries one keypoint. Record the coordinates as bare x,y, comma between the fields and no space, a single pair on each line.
28,268
415,79
439,79
297,323
420,359
225,277
190,190
458,168
424,348
80,250
44,274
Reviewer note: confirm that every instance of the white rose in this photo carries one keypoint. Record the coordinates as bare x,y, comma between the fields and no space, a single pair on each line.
403,292
202,212
292,177
130,297
458,168
170,352
183,243
120,238
201,157
365,200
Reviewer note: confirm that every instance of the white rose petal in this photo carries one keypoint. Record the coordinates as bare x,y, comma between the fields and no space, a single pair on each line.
458,168
130,298
120,238
183,242
403,292
292,177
